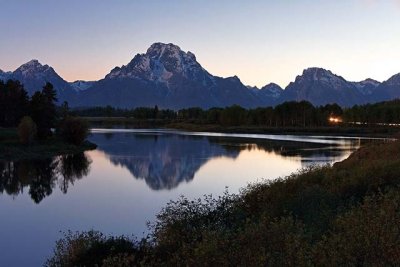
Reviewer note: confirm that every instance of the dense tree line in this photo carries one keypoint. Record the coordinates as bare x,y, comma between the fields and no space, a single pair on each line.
137,113
288,114
38,116
384,112
15,104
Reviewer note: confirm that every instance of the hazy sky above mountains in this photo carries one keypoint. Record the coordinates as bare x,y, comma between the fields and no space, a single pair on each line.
259,41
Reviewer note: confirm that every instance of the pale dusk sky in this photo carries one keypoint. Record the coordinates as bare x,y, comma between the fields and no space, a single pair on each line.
259,41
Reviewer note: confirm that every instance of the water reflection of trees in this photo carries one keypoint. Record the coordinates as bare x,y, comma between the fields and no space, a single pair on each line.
42,176
290,149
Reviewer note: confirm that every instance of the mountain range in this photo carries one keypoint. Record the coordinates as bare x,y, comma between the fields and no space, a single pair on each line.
171,78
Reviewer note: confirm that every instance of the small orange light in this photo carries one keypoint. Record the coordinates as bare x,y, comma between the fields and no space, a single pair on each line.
335,119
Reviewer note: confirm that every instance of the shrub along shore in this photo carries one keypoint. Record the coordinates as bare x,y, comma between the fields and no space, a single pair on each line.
11,149
345,214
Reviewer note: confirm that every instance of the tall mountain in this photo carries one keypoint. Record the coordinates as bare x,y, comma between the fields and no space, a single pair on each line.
388,90
270,93
170,78
33,75
320,87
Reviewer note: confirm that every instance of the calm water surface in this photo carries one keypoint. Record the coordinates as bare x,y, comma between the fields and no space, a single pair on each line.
132,175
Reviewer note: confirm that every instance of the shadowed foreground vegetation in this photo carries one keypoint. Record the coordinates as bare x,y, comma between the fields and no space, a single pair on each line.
346,214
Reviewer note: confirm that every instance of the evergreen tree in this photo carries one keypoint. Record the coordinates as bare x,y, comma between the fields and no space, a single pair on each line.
14,103
43,110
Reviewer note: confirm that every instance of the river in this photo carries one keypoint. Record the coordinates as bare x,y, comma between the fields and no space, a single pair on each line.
132,174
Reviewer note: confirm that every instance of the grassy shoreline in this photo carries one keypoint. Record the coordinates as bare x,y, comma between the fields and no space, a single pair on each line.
12,150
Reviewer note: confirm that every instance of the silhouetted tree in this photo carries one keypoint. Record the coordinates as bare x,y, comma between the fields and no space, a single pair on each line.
13,103
64,110
43,110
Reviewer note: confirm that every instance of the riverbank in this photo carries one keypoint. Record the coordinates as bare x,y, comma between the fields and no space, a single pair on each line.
12,149
345,214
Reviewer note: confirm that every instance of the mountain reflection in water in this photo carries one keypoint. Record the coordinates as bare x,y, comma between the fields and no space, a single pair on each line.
164,160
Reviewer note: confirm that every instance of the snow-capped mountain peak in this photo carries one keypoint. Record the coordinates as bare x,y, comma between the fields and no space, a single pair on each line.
34,68
318,74
161,63
34,76
273,90
321,76
367,86
369,81
81,85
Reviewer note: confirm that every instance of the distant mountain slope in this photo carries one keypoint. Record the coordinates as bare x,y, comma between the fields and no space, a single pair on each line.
4,75
33,75
387,90
366,87
320,87
81,85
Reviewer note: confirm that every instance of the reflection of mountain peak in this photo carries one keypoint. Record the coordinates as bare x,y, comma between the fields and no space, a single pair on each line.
163,161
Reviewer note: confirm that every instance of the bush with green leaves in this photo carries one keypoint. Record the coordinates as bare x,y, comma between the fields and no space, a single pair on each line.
27,130
74,130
